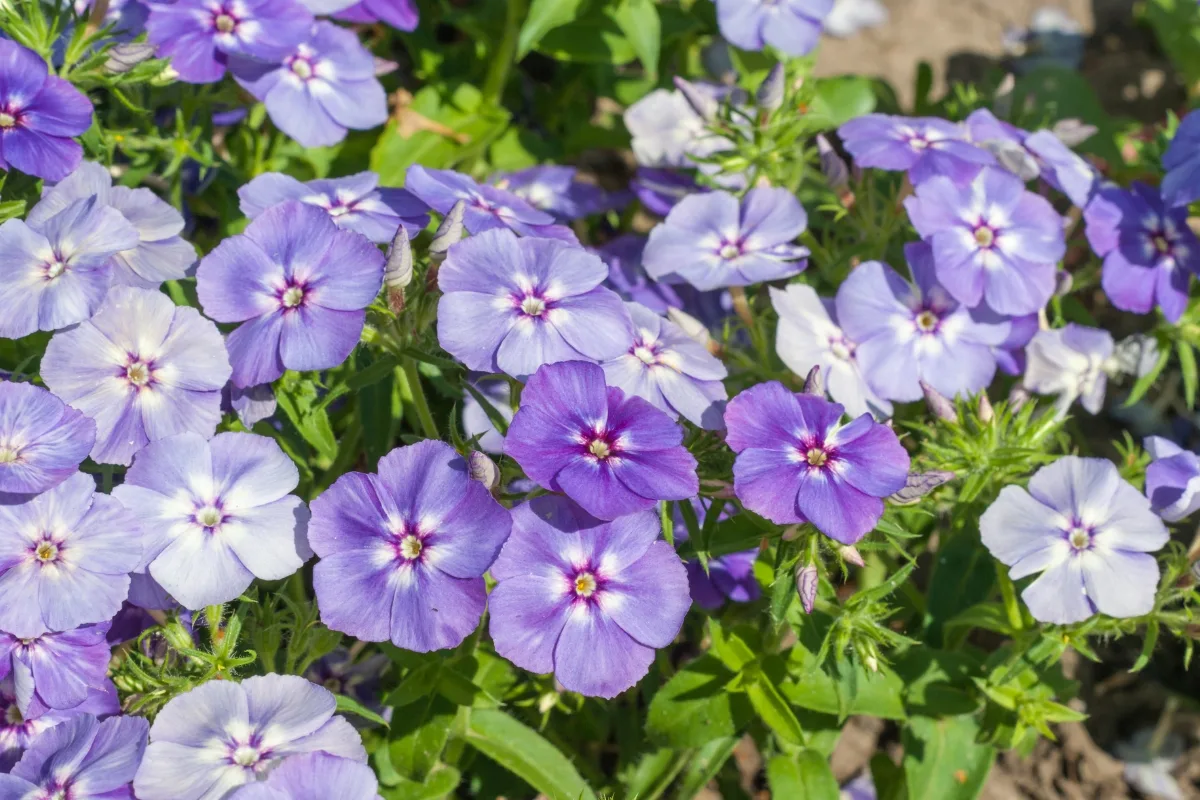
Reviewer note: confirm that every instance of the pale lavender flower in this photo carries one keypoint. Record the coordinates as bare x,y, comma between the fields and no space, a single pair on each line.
23,720
360,680
56,670
1172,479
1087,531
1181,184
252,404
1071,362
39,115
791,26
1062,167
79,759
142,369
922,146
628,278
555,190
42,440
216,514
403,15
510,305
589,602
313,776
222,735
660,189
485,207
667,131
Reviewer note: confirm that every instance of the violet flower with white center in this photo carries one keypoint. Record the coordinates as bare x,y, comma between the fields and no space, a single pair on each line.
160,254
65,558
1087,531
402,553
355,202
20,727
792,27
42,440
589,603
922,146
1172,479
200,36
1181,184
222,735
323,87
79,759
142,369
660,189
1150,254
667,131
611,454
39,115
57,274
553,189
797,463
485,207
913,332
300,286
511,305
1071,362
313,776
808,336
671,370
993,241
56,670
713,241
627,278
216,514
475,419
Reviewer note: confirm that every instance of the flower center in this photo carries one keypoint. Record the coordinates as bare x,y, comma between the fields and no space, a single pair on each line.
7,120
839,350
12,715
137,373
729,251
585,584
1079,537
1161,244
302,68
645,354
533,306
54,269
225,23
209,516
600,449
332,684
927,321
46,552
292,297
984,236
9,454
410,547
246,756
816,457
918,143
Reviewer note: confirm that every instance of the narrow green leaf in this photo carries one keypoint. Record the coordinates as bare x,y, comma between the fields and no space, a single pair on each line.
806,775
522,751
544,16
774,710
350,705
1147,646
1146,381
493,414
696,706
704,765
638,20
1187,366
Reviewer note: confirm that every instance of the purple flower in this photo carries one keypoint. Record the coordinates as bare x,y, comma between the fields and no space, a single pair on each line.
355,202
790,26
611,454
221,735
42,440
992,240
313,776
216,514
670,370
65,558
667,132
23,720
81,759
627,278
590,605
809,337
1010,354
57,273
912,332
141,369
923,146
1087,531
160,254
324,86
511,305
796,463
300,286
475,419
403,552
485,207
1172,479
660,189
251,404
1071,362
729,577
56,670
341,674
553,189
1181,184
1150,254
200,36
402,15
712,241
39,114
1062,167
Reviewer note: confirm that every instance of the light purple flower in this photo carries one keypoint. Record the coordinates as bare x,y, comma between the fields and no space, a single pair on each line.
57,274
142,369
611,454
1172,479
475,419
911,332
1181,184
1071,362
1062,167
1087,531
403,15
992,240
923,146
355,202
298,284
484,207
671,370
403,552
791,26
1010,354
65,558
511,305
39,114
660,189
313,776
340,673
216,514
667,132
589,604
80,759
160,254
23,720
712,241
200,36
222,735
323,87
627,277
56,670
42,440
797,463
1150,254
251,404
808,336
553,189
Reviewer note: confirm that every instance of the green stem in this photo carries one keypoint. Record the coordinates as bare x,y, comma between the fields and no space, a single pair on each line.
506,53
1009,594
106,478
418,394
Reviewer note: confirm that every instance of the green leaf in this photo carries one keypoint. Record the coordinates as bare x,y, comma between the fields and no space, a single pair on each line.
352,706
440,783
942,758
806,775
705,764
742,531
937,683
839,100
888,778
419,736
594,39
696,706
774,710
1144,383
544,16
1177,25
638,20
522,751
963,576
1187,366
1147,646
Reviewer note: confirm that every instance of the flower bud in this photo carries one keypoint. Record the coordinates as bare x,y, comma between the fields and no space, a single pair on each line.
836,173
871,662
384,67
770,92
807,579
814,382
1017,398
938,405
484,470
692,327
398,270
1073,132
919,484
450,232
1063,283
986,412
703,103
850,555
124,57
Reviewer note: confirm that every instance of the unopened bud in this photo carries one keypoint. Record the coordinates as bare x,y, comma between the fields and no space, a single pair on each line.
814,383
850,555
450,232
986,412
791,533
1073,132
384,67
1017,398
703,103
484,470
770,92
1003,99
124,57
871,662
919,484
398,270
938,405
1063,283
546,702
807,579
836,173
1014,158
692,327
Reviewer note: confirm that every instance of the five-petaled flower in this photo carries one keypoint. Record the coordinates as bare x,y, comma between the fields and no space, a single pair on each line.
39,115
